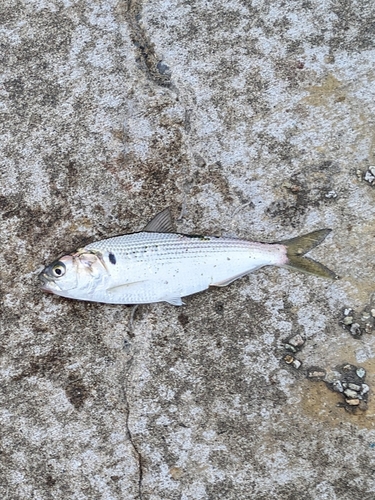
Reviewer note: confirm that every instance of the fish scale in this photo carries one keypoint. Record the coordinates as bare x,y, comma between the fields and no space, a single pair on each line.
172,245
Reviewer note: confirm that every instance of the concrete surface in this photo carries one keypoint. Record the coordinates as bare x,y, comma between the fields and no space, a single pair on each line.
253,119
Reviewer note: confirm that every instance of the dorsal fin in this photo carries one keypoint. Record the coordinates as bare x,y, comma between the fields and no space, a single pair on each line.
161,223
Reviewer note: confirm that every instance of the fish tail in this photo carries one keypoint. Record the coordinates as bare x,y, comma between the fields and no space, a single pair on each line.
296,249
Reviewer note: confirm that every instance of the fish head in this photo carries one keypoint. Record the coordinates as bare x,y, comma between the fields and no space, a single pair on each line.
60,276
73,276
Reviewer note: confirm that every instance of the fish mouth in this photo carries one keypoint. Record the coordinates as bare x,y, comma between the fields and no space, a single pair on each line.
47,283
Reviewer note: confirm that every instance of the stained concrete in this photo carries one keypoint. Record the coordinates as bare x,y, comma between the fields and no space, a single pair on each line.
246,118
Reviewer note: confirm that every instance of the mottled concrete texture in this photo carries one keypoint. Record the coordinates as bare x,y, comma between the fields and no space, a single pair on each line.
247,118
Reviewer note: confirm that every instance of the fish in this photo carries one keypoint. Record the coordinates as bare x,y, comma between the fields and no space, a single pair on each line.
159,265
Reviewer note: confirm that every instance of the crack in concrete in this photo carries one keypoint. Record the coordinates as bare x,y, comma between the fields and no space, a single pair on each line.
128,367
134,446
154,68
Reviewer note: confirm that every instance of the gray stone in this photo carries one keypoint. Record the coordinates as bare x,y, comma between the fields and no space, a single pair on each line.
361,372
348,368
297,364
316,374
348,320
242,117
350,393
355,387
331,194
290,348
369,177
368,328
365,389
296,341
355,329
337,386
332,376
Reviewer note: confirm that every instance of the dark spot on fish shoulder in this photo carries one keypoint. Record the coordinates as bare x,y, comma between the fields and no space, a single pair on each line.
112,258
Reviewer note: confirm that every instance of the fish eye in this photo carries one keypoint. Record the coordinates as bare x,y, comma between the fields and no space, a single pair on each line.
58,270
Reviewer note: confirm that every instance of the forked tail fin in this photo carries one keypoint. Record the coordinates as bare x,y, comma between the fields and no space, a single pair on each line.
296,249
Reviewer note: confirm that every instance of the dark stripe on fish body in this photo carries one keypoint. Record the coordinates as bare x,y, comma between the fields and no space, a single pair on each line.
199,237
112,258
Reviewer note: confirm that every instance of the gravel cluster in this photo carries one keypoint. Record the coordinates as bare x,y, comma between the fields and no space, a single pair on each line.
349,380
293,345
358,324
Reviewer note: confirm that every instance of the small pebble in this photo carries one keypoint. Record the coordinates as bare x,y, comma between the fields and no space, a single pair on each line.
361,372
372,170
348,320
290,348
347,311
366,316
359,174
345,385
351,394
368,327
353,402
365,389
288,359
355,329
332,377
331,194
296,341
296,363
316,374
373,313
347,368
355,387
337,386
369,177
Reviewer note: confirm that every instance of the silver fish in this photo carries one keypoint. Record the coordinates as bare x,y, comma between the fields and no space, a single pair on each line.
157,265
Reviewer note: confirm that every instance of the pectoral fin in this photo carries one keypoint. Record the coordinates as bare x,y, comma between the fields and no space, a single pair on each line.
124,290
129,293
175,301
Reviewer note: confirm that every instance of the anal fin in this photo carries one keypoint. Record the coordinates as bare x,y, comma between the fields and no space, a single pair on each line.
229,280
